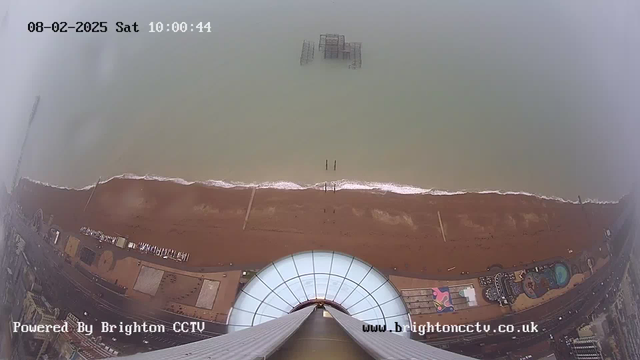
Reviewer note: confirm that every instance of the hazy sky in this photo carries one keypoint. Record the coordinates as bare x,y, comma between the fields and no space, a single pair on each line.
538,97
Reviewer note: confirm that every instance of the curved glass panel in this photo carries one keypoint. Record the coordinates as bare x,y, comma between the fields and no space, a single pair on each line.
359,288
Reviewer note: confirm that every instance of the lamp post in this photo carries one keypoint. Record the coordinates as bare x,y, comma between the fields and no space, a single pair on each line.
16,175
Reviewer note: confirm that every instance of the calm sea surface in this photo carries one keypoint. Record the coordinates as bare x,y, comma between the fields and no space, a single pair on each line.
538,97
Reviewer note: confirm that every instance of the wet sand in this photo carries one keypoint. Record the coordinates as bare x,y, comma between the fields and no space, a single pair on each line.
385,229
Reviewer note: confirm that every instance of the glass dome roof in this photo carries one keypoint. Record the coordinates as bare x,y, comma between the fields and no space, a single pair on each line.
361,290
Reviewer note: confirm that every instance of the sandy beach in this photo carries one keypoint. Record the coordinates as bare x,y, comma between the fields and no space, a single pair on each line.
387,230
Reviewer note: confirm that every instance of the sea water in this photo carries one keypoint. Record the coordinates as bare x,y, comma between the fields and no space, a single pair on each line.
452,96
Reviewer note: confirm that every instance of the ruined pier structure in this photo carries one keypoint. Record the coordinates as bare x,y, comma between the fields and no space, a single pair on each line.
333,46
308,52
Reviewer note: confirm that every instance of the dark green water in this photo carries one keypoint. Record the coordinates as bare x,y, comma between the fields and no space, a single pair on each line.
452,95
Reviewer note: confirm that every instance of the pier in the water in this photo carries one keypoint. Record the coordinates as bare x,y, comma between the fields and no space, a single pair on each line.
333,46
308,52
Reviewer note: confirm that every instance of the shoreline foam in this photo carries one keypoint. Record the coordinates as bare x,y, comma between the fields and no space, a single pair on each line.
343,184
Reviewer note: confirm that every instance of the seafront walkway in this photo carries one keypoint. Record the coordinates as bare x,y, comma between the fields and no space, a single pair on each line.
110,306
574,299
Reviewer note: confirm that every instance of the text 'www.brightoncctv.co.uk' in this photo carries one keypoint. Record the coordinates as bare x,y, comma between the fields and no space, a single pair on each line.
429,328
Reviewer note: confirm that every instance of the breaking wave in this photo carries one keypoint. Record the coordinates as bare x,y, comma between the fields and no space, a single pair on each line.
339,185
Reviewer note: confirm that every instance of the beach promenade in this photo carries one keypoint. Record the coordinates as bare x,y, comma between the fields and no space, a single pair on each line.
395,233
419,241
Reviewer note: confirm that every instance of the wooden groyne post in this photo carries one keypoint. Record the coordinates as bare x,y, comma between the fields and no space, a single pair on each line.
444,237
91,196
246,217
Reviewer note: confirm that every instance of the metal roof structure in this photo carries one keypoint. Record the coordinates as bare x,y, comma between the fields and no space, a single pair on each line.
250,344
262,341
387,345
340,280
